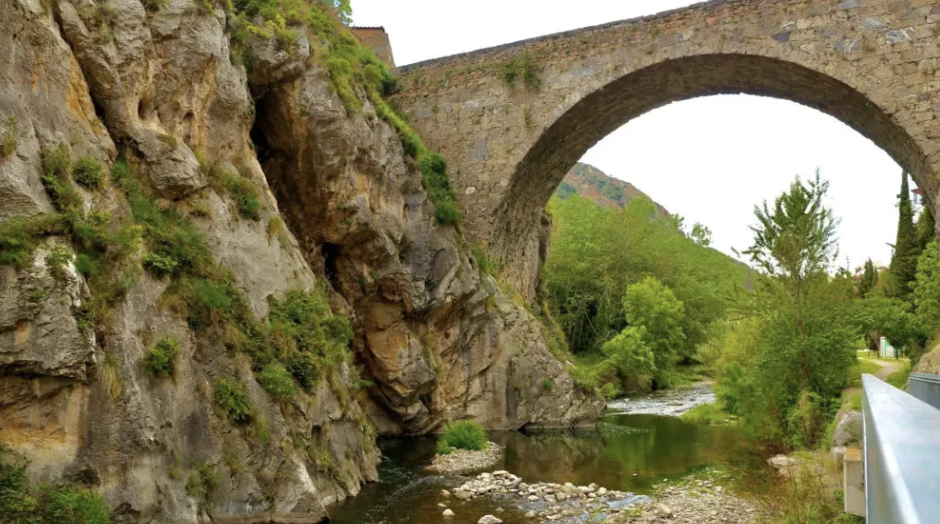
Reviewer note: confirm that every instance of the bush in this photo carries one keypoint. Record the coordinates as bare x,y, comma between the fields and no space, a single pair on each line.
57,259
464,434
707,414
447,213
159,359
232,399
309,338
87,172
202,481
159,265
85,265
8,140
212,296
277,381
60,505
548,384
69,505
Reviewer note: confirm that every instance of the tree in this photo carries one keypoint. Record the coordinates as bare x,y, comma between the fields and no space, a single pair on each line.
651,305
926,293
343,10
891,318
701,234
796,239
868,281
926,229
629,355
785,383
903,266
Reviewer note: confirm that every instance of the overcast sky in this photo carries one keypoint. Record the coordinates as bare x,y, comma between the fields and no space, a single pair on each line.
708,159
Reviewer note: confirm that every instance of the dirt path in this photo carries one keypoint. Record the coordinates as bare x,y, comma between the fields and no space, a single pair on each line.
887,367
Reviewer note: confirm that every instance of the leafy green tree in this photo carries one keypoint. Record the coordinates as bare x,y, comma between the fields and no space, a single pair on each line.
926,229
903,267
926,293
653,306
597,252
701,234
891,318
628,354
795,240
868,281
793,372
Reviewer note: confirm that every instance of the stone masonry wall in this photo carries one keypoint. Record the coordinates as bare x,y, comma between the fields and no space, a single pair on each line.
874,64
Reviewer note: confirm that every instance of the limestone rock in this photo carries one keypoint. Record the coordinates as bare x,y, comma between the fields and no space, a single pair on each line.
929,362
849,429
441,341
448,512
489,519
662,510
39,334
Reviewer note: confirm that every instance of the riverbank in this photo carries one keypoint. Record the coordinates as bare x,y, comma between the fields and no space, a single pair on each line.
669,402
696,499
464,461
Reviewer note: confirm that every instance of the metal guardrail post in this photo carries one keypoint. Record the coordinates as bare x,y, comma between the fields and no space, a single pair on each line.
902,456
927,388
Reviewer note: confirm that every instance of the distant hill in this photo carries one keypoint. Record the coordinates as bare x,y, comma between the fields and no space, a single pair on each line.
595,185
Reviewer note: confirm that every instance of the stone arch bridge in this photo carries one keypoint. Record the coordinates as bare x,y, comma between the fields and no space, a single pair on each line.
513,119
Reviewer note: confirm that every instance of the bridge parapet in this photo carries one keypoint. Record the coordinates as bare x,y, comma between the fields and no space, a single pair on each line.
902,456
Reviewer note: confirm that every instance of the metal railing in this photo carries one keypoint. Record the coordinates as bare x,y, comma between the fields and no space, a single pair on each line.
927,388
902,456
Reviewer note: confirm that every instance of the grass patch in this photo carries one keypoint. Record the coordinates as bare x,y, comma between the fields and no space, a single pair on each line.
8,140
238,186
861,367
201,481
111,377
159,359
708,414
277,381
522,67
463,434
87,172
899,378
548,384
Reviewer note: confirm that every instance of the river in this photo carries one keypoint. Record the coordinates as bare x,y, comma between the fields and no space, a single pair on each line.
634,447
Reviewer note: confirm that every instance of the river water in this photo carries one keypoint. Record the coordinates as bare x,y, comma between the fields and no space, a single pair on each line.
628,452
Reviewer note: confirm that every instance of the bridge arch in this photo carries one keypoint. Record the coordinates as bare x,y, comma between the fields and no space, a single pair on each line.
873,64
596,115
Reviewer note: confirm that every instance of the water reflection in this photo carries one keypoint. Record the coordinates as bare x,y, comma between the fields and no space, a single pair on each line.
628,453
653,448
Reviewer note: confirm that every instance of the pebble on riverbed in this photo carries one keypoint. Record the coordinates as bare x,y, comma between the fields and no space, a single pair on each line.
695,502
464,461
548,500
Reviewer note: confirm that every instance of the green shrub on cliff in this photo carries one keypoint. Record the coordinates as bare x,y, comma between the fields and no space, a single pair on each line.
277,381
87,172
64,504
231,398
463,434
159,359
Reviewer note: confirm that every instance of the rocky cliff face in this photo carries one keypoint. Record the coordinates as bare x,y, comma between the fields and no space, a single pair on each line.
154,83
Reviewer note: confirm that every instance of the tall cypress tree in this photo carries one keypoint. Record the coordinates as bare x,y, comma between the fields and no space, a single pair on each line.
903,266
869,279
925,229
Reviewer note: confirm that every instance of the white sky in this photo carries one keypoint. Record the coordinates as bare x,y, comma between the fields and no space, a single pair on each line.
708,159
